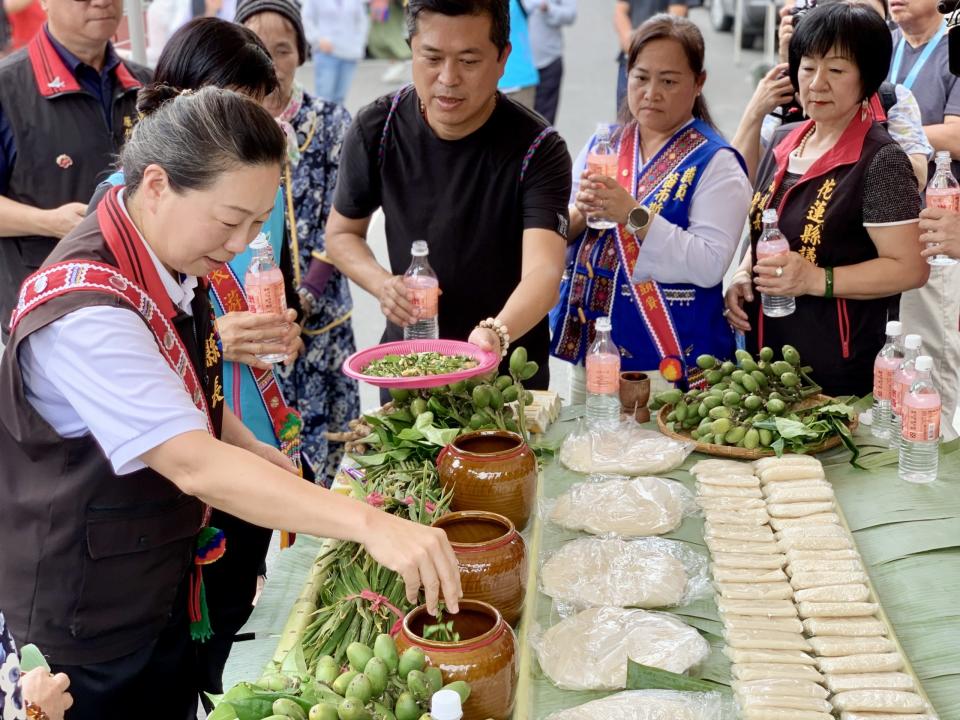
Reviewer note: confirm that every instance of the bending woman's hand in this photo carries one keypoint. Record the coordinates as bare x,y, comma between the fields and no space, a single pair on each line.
739,292
788,275
47,691
245,335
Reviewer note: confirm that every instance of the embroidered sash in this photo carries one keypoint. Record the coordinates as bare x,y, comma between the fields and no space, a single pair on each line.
285,420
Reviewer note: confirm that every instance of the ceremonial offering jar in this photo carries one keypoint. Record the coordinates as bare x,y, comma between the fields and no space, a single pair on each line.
492,559
485,656
492,470
635,394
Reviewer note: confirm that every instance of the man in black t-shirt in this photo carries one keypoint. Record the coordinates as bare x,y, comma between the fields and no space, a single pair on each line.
479,177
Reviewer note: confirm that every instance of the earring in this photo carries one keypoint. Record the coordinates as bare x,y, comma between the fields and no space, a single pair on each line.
864,107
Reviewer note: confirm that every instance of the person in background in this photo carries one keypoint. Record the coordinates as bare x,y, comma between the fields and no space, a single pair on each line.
679,200
29,695
921,62
843,190
520,77
164,18
325,398
546,20
629,15
65,109
483,179
387,39
337,31
26,17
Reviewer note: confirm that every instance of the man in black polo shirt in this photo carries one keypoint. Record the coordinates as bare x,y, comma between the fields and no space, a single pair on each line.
66,104
479,177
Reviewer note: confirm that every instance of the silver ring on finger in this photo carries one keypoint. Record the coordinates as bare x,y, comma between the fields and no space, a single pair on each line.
726,311
779,272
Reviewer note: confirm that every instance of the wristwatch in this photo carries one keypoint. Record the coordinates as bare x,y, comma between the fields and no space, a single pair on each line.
637,220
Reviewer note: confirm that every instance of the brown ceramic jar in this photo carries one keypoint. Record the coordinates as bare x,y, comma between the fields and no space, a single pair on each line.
485,656
492,558
492,470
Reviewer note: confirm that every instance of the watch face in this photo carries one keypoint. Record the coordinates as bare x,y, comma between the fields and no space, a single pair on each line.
639,217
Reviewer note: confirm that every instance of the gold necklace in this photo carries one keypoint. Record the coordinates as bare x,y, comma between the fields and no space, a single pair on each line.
803,143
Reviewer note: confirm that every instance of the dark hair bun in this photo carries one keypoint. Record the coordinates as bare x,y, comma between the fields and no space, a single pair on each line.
151,97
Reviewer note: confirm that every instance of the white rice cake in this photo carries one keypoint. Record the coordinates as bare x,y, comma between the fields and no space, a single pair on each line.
755,622
801,566
738,532
791,472
815,531
719,545
766,640
796,555
870,681
798,509
783,657
810,493
750,562
747,575
829,518
869,663
731,516
844,627
803,580
787,703
763,608
732,504
778,485
837,609
714,466
879,701
789,460
729,480
755,591
834,593
885,716
770,671
838,542
780,688
782,714
840,646
729,491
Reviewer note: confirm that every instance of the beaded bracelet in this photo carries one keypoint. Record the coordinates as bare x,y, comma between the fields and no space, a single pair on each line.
35,713
501,330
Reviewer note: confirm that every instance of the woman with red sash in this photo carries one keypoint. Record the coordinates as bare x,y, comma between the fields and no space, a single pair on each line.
679,200
847,201
113,430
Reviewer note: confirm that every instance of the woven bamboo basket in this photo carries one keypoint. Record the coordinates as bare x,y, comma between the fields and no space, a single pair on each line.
739,453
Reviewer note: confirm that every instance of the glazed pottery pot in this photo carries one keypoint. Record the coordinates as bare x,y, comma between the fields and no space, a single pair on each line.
485,656
635,394
491,470
492,558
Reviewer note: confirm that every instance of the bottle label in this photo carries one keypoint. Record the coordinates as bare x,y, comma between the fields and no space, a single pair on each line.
602,164
882,383
603,374
426,301
943,201
921,424
266,297
896,398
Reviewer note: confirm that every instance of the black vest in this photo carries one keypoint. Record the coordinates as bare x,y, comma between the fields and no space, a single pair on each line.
822,217
64,146
91,561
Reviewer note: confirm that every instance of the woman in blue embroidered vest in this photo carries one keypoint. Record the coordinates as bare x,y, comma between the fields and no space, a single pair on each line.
846,197
325,398
679,201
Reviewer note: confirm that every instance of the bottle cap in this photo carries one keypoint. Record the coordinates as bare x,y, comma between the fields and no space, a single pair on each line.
924,363
603,324
445,705
603,130
770,216
260,241
895,327
419,248
943,156
912,342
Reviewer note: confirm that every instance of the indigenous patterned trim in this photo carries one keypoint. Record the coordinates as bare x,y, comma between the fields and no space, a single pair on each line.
401,93
532,150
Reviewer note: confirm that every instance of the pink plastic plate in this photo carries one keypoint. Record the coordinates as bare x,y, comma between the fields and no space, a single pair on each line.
356,363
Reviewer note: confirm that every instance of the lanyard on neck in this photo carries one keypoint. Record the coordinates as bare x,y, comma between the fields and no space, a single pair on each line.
921,61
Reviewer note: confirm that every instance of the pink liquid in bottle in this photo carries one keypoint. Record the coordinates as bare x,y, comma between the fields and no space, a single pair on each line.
921,417
602,165
902,381
883,372
603,373
265,291
944,199
425,294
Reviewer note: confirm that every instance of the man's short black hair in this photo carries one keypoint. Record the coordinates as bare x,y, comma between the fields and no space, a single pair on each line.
497,10
856,31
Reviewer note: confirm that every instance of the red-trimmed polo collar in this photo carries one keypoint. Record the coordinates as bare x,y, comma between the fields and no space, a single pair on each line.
53,74
846,151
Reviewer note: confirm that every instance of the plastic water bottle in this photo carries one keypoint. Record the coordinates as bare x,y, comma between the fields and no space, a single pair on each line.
773,242
920,437
421,281
264,286
446,705
903,379
943,192
603,377
602,160
886,364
